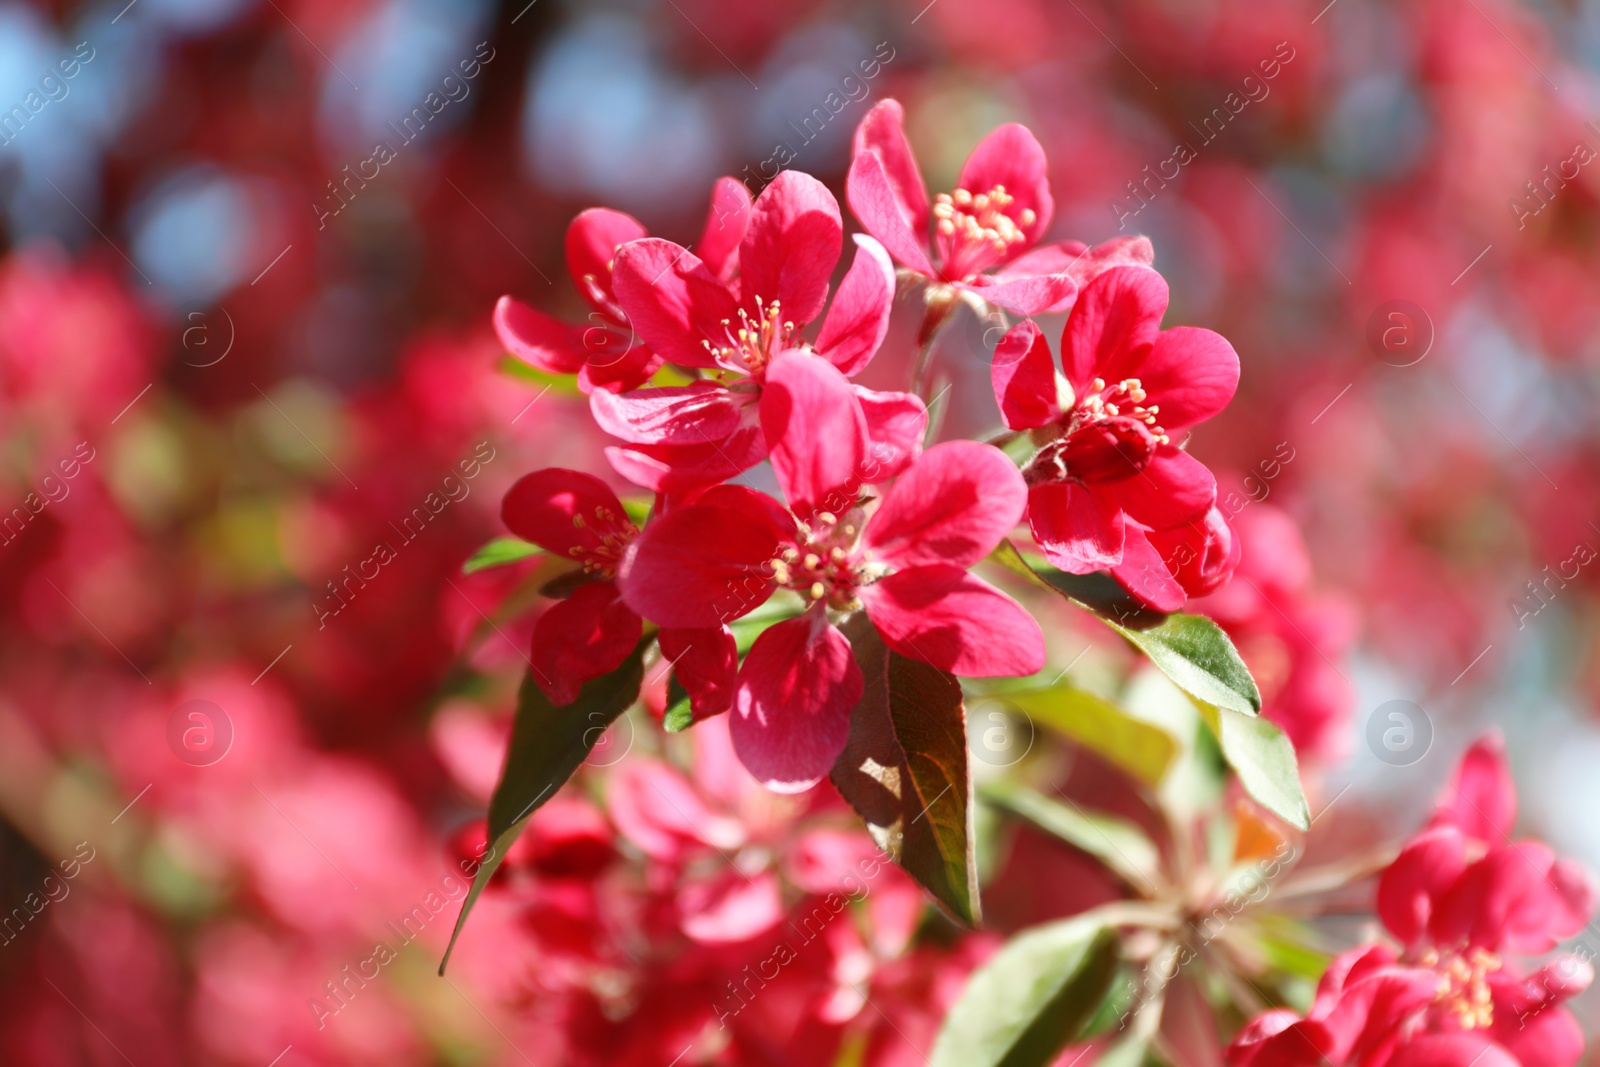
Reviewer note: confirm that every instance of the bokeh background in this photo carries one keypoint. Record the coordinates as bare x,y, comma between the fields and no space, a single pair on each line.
228,369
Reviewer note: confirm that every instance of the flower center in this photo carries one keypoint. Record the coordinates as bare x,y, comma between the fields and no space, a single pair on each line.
974,229
1109,434
1464,990
752,344
613,531
826,564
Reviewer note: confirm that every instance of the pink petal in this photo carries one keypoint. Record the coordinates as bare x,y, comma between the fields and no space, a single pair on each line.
726,222
580,638
1079,532
896,425
1028,295
683,468
790,249
1481,798
1551,1037
567,513
1463,1049
858,320
663,815
673,301
1024,377
677,415
955,621
1082,263
1191,374
706,664
1173,488
1145,575
1516,897
816,433
953,506
1114,322
872,198
616,362
883,131
592,242
730,907
1011,156
1202,555
703,565
1412,886
1276,1038
792,708
536,338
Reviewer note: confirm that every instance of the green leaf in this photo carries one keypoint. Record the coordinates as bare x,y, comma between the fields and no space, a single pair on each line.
904,771
1190,649
498,553
1264,760
1142,749
1200,659
1098,593
547,745
1117,843
1031,1000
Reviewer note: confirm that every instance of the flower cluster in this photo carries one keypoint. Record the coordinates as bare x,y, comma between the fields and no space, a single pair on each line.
1460,900
864,519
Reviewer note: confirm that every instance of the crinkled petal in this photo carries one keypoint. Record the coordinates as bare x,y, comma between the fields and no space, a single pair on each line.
945,617
729,907
726,223
1517,897
873,201
952,506
1027,295
674,303
883,131
685,468
703,565
676,415
1412,886
896,426
1173,488
791,711
592,242
580,638
534,337
706,664
816,433
1113,324
1078,531
1023,374
1481,797
1145,575
1011,156
858,319
791,246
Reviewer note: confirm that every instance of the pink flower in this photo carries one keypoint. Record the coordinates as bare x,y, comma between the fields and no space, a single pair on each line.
605,354
1107,473
1459,897
905,566
1162,569
685,437
980,238
576,516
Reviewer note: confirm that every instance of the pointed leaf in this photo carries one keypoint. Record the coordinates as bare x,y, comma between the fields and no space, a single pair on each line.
1031,999
1200,659
904,770
1117,843
1264,760
498,553
1141,748
547,745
